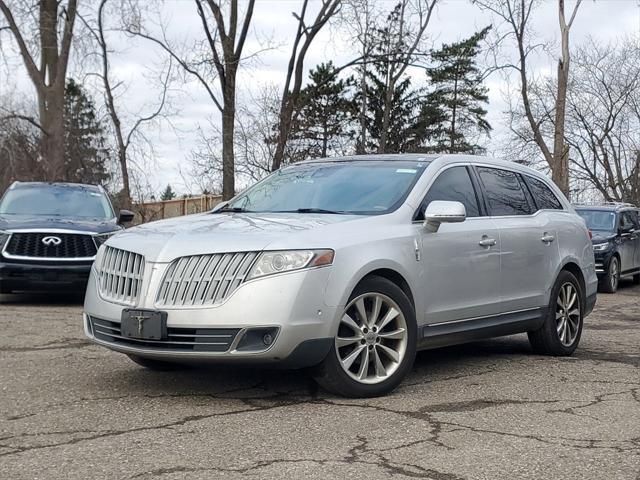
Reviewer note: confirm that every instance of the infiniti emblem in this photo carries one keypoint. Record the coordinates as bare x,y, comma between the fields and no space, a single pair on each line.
55,241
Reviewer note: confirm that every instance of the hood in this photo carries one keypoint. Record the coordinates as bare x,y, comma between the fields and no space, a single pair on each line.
601,236
35,222
165,240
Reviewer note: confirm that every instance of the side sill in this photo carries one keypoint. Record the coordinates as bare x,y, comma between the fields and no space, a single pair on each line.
446,334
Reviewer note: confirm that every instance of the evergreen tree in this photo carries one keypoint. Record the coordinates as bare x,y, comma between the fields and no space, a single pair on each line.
322,126
405,130
86,153
455,105
168,194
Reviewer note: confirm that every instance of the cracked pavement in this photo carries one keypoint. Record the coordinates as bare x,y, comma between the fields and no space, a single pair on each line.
487,410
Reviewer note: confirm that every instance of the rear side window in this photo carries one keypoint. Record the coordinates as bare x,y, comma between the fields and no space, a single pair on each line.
544,197
504,192
453,185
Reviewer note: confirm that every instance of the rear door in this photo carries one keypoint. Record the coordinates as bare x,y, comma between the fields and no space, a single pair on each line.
462,260
528,249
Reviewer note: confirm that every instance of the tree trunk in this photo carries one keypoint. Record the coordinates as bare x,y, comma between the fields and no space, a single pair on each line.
52,148
453,116
386,116
228,129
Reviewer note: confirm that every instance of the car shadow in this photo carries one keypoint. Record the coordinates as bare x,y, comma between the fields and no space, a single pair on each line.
43,298
294,386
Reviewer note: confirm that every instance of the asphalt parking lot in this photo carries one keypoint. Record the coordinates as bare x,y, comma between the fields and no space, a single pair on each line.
490,410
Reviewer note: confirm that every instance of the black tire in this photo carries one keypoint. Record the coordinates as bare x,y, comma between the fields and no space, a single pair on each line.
157,365
636,279
546,340
330,374
610,282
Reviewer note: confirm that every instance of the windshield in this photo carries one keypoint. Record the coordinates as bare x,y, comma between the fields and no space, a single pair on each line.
599,220
56,201
359,187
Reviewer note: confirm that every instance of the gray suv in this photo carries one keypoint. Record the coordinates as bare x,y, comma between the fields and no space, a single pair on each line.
349,266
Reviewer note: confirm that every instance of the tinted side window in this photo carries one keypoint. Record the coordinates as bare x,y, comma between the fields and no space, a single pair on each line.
545,198
627,221
454,185
504,192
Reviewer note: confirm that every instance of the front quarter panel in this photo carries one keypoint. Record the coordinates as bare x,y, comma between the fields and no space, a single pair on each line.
386,246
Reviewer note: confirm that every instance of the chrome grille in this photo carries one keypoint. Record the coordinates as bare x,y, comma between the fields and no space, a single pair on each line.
67,246
120,275
204,279
189,339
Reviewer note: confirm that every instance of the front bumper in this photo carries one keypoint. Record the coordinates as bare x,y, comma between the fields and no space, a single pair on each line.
291,304
34,276
602,262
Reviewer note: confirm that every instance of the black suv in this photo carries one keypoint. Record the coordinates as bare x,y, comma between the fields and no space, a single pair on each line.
50,233
616,242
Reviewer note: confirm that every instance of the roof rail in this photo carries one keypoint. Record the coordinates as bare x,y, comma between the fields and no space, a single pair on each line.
619,204
604,204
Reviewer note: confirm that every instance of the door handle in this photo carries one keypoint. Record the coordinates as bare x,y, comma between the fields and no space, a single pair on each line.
487,242
546,238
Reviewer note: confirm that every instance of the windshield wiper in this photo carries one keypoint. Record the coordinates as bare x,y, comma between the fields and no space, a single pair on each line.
318,210
232,209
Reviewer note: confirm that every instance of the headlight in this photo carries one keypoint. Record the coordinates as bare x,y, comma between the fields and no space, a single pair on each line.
103,237
4,236
601,247
270,263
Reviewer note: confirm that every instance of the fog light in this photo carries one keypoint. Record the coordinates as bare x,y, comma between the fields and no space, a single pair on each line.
257,338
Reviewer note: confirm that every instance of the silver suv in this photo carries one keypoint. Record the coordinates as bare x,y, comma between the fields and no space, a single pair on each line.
349,265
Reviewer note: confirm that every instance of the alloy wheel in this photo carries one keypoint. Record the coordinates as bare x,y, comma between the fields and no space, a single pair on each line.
613,273
568,314
372,338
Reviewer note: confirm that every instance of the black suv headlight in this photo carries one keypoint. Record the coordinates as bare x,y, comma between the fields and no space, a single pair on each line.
601,247
103,237
4,237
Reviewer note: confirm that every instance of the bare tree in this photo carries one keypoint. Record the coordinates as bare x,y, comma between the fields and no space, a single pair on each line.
398,51
124,137
46,64
305,34
256,116
603,118
225,34
516,16
361,20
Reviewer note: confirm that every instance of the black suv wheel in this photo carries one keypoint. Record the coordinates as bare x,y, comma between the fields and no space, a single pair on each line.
609,283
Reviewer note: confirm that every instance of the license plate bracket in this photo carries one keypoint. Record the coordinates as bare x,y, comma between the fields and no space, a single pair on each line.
143,324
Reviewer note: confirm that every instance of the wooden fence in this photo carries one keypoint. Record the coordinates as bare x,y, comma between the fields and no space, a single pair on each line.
150,211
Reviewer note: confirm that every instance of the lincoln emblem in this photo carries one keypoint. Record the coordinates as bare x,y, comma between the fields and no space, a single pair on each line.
52,241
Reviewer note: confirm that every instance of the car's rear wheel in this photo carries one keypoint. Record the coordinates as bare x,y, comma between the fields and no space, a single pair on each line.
609,283
375,344
636,279
560,333
157,365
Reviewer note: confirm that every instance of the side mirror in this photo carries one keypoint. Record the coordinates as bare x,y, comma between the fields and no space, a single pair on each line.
125,216
440,211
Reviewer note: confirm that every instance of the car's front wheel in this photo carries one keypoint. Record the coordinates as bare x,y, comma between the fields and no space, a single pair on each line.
560,333
375,344
609,283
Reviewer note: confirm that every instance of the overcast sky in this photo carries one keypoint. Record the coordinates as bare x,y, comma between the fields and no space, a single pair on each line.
274,25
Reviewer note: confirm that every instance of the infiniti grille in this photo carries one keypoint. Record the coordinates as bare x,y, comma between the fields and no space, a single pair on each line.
51,245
